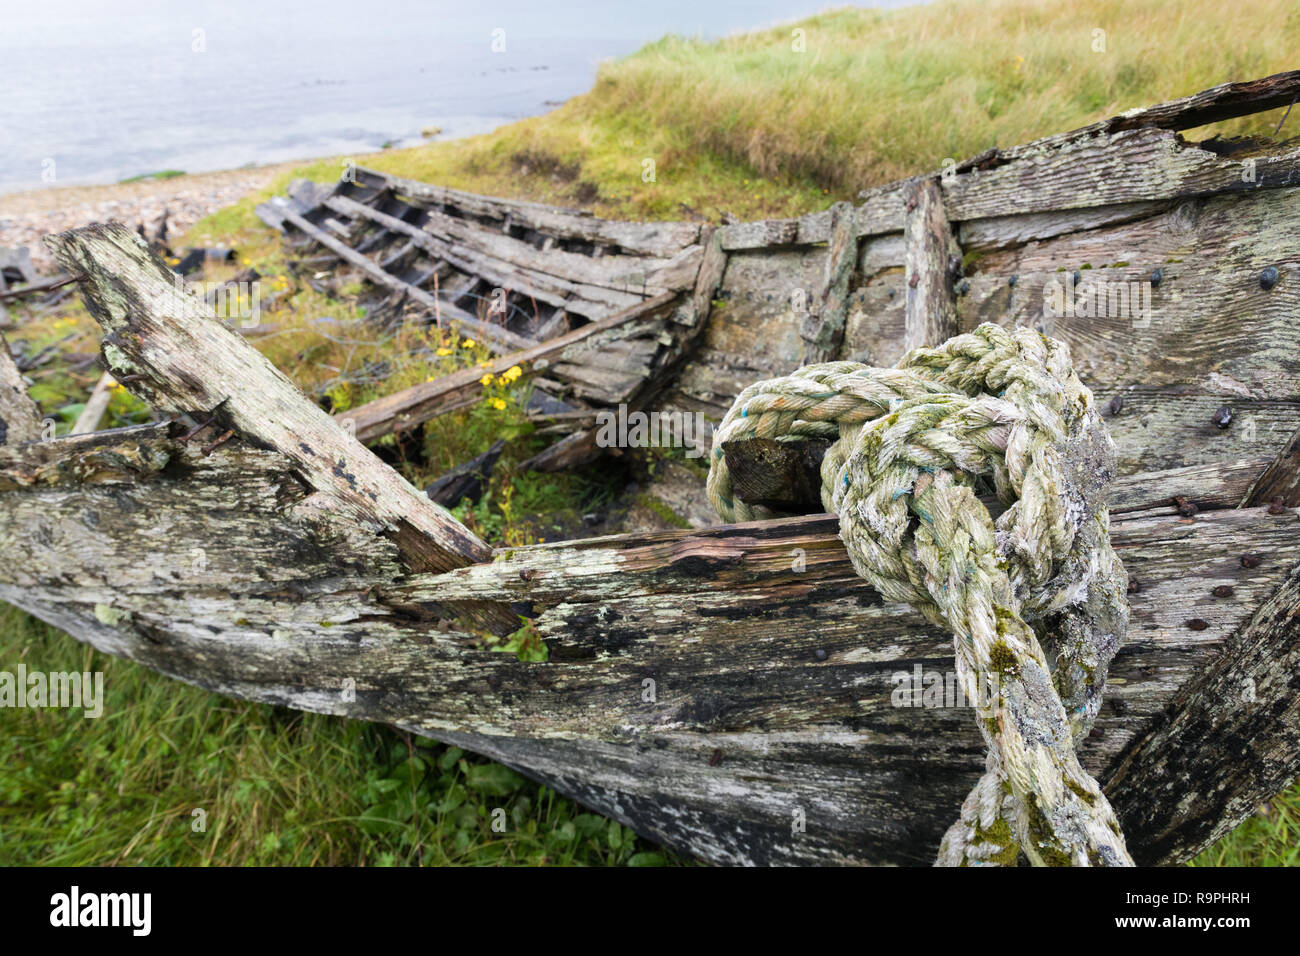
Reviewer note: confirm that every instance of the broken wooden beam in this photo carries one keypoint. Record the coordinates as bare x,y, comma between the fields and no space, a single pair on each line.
167,346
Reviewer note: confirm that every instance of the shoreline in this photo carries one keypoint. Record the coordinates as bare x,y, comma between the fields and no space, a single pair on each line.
27,216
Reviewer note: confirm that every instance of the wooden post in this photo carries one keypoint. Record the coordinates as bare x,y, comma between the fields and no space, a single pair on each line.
931,310
823,326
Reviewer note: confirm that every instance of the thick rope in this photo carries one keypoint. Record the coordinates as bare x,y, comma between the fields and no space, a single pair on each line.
990,411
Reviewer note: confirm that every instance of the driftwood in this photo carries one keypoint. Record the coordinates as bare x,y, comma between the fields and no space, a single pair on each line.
96,406
733,690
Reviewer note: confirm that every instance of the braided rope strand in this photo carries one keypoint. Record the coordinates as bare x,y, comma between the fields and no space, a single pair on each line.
1000,410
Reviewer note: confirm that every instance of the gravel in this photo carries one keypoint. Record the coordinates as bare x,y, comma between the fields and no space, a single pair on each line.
26,217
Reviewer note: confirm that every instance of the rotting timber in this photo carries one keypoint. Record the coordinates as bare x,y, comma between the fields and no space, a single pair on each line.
287,560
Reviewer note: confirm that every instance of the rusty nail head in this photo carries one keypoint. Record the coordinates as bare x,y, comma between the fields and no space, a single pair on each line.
1277,506
1133,586
1223,416
1196,624
1185,507
1268,278
1250,560
1222,591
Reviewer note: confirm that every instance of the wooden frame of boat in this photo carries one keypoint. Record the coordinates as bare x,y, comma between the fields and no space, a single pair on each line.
712,687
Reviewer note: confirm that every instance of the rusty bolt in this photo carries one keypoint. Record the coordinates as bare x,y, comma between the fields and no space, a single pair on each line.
1277,506
1185,507
1222,591
1250,560
1196,624
1133,586
1268,278
1222,416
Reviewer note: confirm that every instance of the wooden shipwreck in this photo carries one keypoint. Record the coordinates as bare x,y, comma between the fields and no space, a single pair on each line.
709,687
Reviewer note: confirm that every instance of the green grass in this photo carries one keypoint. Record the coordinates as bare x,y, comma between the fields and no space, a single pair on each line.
747,126
272,786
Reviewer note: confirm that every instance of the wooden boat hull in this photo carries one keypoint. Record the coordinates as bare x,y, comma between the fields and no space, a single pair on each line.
731,690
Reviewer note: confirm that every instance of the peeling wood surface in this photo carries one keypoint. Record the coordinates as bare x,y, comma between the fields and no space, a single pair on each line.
788,674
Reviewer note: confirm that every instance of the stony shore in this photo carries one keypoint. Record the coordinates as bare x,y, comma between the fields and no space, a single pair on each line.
26,217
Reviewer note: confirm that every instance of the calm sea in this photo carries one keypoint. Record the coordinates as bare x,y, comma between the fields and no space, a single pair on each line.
99,90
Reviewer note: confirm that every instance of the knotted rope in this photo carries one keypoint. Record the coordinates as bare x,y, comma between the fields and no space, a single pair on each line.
998,411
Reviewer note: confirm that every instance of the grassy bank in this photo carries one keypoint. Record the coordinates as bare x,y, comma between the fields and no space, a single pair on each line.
750,126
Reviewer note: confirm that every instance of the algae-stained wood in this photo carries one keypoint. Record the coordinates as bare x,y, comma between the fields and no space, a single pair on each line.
774,679
706,687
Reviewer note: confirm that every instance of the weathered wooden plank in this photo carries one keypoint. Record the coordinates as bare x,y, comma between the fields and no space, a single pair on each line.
786,477
1232,732
823,326
1226,101
493,334
773,665
1100,169
20,419
929,312
635,275
663,239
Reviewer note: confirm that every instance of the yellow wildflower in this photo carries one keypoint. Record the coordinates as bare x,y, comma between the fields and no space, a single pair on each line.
467,344
499,403
512,373
486,379
444,351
